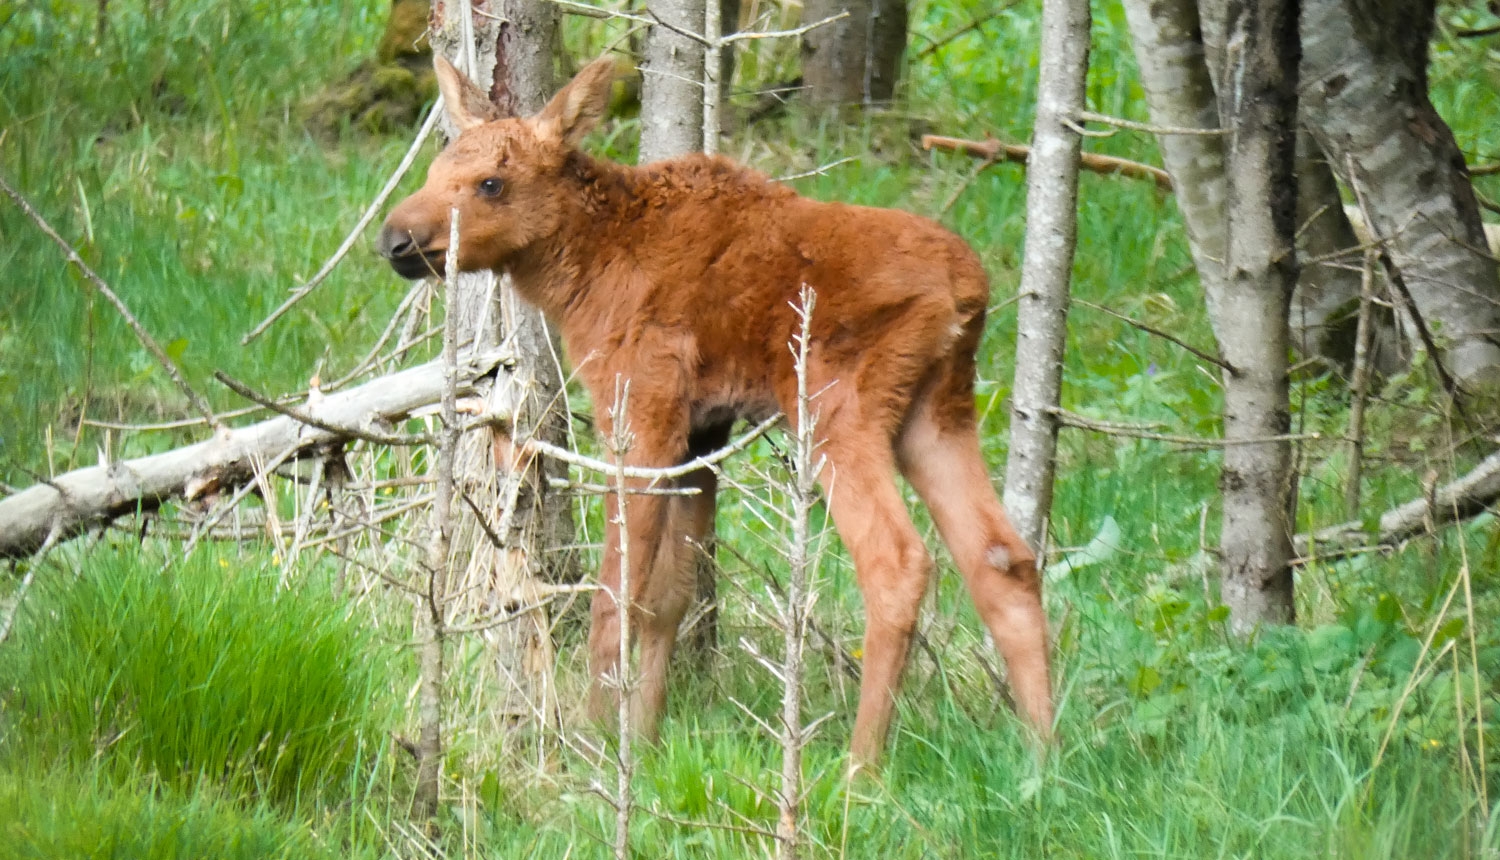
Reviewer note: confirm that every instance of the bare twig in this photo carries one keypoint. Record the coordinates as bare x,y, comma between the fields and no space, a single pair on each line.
359,227
638,472
624,762
1364,335
1109,428
994,150
198,403
1090,116
805,467
1212,359
432,613
942,42
816,171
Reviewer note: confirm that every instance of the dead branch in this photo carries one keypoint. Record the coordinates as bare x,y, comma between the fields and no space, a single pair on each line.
302,416
994,150
1113,428
199,404
1212,359
1465,497
94,496
371,211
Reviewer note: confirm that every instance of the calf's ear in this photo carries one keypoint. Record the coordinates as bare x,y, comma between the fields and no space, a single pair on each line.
578,107
467,104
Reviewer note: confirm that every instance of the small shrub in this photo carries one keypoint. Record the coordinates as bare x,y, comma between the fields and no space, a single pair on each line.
199,672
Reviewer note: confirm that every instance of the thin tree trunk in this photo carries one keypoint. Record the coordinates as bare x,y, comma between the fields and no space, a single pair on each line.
1260,276
673,111
1170,51
857,59
514,498
1248,298
1047,267
672,83
1365,99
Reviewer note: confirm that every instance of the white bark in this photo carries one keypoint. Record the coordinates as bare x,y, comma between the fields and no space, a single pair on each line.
1244,280
672,83
1365,99
1259,101
87,498
1047,267
1468,496
1179,92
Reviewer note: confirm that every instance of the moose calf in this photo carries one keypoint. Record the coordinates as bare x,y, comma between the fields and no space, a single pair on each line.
681,277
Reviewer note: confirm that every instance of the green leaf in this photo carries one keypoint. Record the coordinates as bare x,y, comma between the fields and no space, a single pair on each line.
1451,629
176,348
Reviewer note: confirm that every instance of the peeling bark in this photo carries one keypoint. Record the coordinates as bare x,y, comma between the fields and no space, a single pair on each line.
513,497
1047,268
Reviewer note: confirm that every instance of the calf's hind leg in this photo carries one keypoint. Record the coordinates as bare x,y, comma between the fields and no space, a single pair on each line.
939,454
892,567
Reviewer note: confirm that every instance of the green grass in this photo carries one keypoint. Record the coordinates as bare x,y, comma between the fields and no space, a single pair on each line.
70,816
206,671
139,705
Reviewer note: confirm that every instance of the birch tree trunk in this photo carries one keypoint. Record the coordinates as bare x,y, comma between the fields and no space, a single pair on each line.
1173,47
672,83
1260,102
857,59
1170,51
672,113
516,502
1047,268
1365,99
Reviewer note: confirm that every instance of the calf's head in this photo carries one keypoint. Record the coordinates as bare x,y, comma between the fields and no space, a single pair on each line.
505,176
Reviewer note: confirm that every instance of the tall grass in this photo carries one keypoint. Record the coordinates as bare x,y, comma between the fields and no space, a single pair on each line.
200,672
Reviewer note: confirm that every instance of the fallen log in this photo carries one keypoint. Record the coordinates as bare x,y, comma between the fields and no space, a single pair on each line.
993,150
72,503
1465,497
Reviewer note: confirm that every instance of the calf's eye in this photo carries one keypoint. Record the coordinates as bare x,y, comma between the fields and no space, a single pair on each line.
489,187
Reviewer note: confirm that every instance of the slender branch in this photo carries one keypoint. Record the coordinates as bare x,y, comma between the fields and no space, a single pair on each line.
777,34
1364,335
199,404
994,150
371,211
943,42
1090,116
1108,428
1212,359
638,472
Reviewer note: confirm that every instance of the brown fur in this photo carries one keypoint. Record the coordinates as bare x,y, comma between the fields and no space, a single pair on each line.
680,276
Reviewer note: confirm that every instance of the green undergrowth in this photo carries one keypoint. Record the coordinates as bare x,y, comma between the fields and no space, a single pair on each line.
204,672
64,815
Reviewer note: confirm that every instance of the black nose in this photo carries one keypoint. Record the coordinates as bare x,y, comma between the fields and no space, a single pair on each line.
397,241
